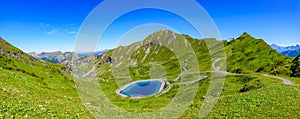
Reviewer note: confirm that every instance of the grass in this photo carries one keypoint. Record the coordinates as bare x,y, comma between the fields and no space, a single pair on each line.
34,89
271,99
243,96
248,55
274,101
30,88
21,96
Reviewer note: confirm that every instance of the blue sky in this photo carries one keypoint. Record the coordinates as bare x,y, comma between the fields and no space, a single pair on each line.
51,25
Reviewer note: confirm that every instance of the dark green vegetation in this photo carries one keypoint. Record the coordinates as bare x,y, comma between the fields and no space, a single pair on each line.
40,89
296,67
32,88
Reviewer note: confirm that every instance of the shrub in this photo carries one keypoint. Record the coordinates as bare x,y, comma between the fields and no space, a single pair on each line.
246,79
252,85
281,71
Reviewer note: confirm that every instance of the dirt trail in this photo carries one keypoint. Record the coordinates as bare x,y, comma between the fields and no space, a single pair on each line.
285,81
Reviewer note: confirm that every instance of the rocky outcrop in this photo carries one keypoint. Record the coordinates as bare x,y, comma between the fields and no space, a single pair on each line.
17,56
108,59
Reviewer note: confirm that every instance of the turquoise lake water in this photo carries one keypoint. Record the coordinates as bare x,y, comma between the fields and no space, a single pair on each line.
142,89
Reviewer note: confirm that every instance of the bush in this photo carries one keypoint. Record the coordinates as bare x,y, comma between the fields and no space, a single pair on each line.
260,69
239,71
246,79
281,71
252,85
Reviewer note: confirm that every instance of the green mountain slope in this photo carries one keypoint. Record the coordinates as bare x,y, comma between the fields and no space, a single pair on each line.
244,55
35,89
248,55
246,94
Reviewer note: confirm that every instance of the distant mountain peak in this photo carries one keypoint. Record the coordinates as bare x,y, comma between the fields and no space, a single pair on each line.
291,51
161,37
64,57
164,31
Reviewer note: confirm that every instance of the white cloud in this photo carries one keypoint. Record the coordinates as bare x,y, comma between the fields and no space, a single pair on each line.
59,30
286,45
53,32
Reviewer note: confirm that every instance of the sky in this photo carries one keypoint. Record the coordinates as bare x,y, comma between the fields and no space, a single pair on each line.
52,25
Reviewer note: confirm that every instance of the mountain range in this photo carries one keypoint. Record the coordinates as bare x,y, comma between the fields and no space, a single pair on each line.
32,88
291,51
245,54
60,57
248,84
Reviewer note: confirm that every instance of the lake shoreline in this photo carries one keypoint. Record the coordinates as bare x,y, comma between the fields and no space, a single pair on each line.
161,88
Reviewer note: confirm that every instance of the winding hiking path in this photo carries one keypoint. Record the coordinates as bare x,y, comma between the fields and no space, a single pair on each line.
215,69
194,81
285,81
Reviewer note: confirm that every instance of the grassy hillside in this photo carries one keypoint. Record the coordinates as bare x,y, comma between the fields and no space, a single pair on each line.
244,55
245,95
248,55
270,99
35,89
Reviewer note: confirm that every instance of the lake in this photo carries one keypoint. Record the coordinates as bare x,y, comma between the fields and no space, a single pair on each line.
142,88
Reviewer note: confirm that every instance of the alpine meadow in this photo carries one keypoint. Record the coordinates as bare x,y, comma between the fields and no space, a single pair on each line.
254,85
